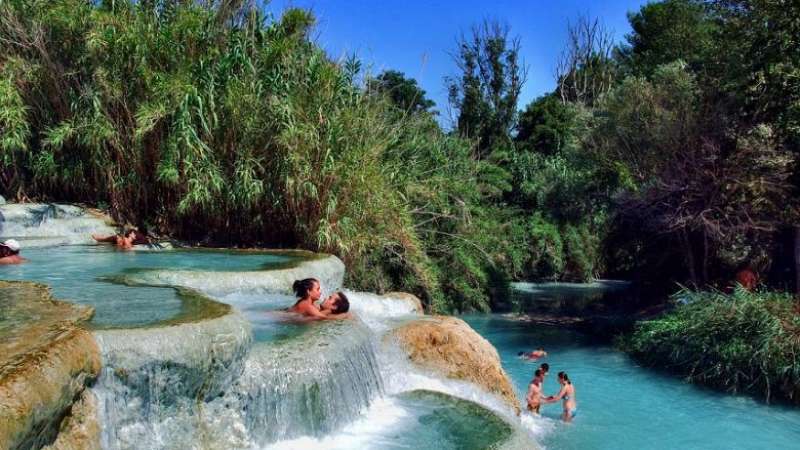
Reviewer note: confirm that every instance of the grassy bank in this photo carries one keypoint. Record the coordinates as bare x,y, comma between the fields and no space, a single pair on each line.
742,342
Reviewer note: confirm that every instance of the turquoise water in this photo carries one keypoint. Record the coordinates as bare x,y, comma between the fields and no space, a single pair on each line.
624,406
416,419
444,422
76,273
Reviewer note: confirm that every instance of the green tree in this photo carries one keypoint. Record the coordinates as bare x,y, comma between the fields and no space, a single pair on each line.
762,61
485,95
667,31
403,92
546,126
719,196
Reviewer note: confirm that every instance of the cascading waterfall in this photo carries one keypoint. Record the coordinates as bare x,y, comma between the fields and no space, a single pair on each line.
247,377
49,224
154,379
278,390
307,386
177,388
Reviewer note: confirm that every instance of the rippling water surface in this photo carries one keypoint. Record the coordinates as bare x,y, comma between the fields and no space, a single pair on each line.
77,273
624,406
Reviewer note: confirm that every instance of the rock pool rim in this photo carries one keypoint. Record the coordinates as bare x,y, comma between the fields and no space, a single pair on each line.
195,306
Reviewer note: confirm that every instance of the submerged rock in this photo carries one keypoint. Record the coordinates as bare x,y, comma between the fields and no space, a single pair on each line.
450,347
450,422
46,362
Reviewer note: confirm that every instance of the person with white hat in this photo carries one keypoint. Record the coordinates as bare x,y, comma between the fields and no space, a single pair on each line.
9,252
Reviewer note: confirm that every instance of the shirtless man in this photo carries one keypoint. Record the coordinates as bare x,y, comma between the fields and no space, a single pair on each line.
534,397
336,304
9,252
125,241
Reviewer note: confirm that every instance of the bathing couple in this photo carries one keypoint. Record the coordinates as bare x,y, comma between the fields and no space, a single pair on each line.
566,394
308,291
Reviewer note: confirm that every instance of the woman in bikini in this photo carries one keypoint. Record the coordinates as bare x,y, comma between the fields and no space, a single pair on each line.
567,394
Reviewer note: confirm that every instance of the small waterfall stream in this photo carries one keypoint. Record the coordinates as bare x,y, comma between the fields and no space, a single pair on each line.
247,377
210,384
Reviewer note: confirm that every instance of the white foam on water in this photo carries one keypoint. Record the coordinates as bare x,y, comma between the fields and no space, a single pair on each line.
330,390
379,312
373,425
401,376
44,225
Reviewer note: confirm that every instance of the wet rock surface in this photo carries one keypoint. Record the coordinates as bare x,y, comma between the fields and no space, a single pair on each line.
450,347
46,361
80,429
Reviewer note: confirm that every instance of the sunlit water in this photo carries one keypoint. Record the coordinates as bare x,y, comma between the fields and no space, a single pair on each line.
624,406
258,378
79,274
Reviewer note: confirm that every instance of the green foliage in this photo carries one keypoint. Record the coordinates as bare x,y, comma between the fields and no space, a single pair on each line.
403,92
214,123
547,125
210,123
668,31
760,62
708,189
643,124
486,91
740,342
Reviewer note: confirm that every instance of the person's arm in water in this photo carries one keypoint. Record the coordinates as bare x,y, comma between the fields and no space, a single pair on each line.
310,310
110,239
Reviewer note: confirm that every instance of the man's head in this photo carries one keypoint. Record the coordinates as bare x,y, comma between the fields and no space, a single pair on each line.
538,375
9,248
544,368
337,303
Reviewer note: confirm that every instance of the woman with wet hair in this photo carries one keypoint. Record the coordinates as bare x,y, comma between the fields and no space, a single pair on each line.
308,292
567,394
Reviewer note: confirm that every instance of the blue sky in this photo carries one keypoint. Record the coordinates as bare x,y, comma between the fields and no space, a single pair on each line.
416,36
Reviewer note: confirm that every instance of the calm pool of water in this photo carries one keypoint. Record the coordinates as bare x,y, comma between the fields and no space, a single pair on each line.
76,273
624,406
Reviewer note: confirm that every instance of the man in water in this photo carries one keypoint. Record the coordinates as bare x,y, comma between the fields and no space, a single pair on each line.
545,368
336,305
534,397
9,252
534,355
125,241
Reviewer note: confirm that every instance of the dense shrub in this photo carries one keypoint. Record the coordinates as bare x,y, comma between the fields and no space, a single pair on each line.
739,342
